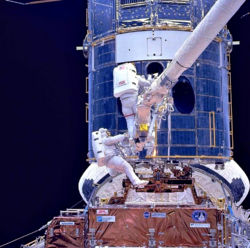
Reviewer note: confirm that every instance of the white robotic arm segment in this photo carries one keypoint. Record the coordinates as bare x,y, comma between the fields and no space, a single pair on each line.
186,55
196,43
206,31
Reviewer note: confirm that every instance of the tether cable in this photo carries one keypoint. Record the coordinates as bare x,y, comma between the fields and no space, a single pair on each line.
248,13
24,236
76,203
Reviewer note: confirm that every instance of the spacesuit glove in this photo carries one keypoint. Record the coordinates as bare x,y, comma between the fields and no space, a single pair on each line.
131,142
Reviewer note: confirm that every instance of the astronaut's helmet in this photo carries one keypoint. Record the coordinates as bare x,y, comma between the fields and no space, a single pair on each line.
104,132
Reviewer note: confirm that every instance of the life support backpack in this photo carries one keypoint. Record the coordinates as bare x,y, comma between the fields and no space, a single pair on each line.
98,148
125,80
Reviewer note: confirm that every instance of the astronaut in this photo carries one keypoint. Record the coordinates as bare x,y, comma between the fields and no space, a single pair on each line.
107,153
126,86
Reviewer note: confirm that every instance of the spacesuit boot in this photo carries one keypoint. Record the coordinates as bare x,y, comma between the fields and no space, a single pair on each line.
140,183
133,178
121,165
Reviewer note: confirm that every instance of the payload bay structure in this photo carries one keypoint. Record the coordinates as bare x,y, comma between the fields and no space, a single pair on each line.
183,125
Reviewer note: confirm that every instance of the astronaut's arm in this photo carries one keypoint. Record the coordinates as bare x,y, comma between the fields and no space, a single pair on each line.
142,81
114,139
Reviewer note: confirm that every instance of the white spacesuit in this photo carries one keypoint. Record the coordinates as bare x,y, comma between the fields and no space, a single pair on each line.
107,153
126,86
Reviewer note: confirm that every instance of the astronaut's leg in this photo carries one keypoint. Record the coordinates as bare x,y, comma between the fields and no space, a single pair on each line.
119,164
112,172
134,107
129,111
130,119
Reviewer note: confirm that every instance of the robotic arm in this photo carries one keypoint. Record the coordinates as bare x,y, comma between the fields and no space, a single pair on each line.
187,54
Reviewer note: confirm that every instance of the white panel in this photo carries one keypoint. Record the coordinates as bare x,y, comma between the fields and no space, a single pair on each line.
154,46
148,45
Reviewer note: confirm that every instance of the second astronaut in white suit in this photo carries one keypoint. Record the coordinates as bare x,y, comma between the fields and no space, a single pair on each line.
126,86
108,154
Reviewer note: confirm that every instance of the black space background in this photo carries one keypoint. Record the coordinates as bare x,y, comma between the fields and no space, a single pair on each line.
43,134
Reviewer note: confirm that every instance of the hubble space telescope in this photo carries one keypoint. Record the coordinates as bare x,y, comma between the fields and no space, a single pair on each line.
160,135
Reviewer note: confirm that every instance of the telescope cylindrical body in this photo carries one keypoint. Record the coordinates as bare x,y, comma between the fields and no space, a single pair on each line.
149,33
